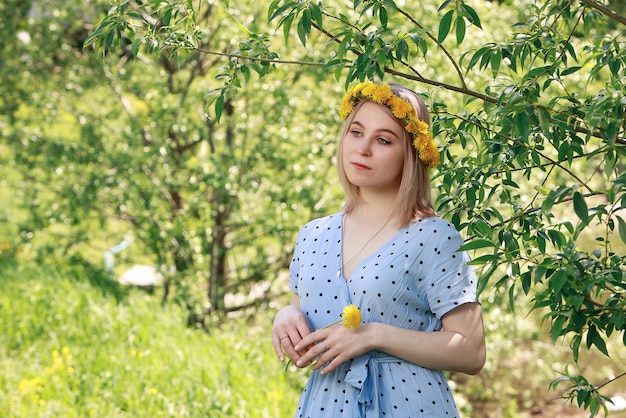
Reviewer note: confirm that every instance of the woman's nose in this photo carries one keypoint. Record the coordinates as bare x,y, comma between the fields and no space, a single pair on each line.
364,147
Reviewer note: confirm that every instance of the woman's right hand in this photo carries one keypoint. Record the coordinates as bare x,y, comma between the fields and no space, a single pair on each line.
290,327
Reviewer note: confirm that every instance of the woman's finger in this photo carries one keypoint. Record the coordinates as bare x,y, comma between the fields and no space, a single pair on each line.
310,339
313,352
277,338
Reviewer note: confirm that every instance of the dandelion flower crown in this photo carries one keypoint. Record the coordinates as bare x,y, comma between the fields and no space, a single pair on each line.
402,109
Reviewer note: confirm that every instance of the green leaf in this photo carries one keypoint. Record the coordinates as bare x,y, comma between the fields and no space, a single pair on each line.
536,72
167,16
610,159
382,15
316,13
219,107
611,131
523,124
557,281
402,50
460,30
570,70
476,244
477,56
471,14
495,59
580,207
512,297
280,10
444,26
526,282
557,327
621,228
594,338
575,345
444,5
287,27
544,119
135,47
302,32
484,259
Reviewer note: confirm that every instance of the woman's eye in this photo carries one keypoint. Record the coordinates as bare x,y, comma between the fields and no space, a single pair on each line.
383,141
355,132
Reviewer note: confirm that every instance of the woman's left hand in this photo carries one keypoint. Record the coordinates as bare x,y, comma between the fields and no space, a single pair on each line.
330,347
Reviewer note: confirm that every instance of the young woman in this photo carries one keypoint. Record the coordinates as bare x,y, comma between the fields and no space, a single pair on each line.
388,254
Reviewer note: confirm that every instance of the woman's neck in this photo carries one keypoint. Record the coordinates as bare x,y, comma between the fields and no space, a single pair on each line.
375,206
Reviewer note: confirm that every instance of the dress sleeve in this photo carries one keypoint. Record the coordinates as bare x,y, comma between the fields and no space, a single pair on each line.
294,267
451,282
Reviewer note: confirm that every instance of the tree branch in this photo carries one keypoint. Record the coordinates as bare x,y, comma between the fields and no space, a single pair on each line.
605,11
611,380
258,59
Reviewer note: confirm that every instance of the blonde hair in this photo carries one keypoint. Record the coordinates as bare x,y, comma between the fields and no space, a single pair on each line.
414,199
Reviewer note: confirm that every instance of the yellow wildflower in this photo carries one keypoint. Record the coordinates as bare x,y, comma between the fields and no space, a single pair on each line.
399,107
368,89
346,108
351,317
381,94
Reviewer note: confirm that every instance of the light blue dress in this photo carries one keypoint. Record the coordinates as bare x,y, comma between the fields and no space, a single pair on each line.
411,282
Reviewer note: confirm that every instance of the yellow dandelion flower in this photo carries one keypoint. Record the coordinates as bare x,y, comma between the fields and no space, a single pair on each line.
368,89
351,317
422,127
422,148
429,154
357,89
381,94
346,108
403,109
411,128
399,107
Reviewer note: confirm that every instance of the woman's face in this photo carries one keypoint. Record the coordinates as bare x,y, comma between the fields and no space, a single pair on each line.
373,149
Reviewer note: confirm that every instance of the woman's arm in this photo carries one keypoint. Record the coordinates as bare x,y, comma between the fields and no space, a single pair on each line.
459,347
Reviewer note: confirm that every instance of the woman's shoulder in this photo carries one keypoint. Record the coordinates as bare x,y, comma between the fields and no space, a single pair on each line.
322,225
433,223
435,229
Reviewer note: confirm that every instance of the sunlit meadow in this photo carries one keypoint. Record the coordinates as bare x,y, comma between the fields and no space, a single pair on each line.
76,346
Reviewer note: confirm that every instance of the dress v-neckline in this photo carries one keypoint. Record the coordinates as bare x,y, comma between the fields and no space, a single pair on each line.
340,270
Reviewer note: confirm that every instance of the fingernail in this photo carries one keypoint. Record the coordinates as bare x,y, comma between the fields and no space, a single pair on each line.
299,362
297,347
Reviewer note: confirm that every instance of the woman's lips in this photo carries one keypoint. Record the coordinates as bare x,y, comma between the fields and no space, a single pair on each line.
360,166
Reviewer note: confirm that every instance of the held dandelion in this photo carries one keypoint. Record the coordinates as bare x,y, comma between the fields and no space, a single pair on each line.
350,318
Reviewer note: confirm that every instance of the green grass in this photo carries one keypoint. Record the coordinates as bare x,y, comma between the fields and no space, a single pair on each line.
77,346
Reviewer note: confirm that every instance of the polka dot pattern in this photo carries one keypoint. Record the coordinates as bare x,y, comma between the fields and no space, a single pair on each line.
411,282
